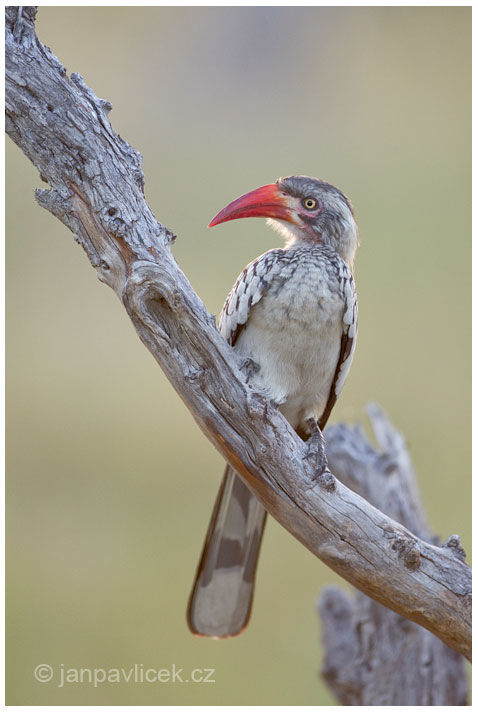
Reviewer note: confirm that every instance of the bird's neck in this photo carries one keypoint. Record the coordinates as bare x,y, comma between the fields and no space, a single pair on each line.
343,242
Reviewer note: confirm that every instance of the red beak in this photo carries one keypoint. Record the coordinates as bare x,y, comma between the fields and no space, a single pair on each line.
265,202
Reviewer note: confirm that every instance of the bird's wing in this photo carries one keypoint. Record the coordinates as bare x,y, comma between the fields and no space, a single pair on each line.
347,343
250,287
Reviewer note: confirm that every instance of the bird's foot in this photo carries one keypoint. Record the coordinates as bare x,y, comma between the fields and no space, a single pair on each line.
250,367
315,448
315,453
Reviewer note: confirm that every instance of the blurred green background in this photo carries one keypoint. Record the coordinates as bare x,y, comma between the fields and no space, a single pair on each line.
110,482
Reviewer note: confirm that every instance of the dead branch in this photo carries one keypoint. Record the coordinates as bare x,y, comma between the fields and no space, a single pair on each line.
96,190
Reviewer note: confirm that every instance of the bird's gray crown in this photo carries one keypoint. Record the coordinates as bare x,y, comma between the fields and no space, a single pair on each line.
302,186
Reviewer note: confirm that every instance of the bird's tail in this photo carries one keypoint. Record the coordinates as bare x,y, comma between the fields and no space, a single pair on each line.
221,598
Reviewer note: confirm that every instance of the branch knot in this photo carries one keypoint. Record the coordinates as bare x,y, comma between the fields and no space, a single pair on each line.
453,544
407,549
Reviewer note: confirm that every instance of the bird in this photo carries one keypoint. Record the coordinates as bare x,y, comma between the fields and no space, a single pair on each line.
291,317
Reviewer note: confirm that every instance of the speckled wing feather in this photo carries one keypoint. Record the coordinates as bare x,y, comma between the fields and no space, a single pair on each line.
347,344
249,288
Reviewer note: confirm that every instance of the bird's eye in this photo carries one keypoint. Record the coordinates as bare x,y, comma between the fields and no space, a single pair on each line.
309,203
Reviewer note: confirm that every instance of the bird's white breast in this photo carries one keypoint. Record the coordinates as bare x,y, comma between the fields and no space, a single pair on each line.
294,335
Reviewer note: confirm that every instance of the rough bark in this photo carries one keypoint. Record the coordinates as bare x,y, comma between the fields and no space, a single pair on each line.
97,191
374,656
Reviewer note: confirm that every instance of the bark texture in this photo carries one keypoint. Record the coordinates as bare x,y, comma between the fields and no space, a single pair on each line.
374,656
96,190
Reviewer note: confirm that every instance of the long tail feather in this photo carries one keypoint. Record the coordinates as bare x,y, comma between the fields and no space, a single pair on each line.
221,598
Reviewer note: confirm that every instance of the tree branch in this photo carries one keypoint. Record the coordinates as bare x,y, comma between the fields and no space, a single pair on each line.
97,192
373,656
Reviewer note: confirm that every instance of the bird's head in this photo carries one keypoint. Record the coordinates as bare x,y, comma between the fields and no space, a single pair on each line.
302,209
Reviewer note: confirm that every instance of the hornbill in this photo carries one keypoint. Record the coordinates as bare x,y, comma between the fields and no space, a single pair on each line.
292,318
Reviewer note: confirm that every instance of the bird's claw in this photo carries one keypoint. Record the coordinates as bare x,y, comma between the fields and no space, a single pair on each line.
250,367
315,453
